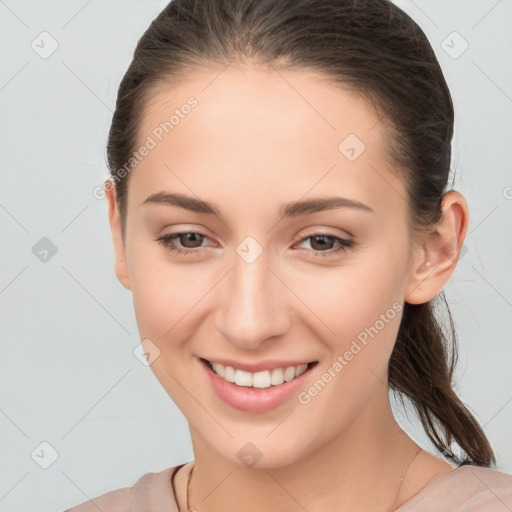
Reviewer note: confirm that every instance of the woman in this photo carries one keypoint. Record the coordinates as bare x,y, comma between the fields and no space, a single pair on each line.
280,212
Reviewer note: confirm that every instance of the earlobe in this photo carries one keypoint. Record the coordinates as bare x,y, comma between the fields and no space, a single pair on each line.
120,265
440,251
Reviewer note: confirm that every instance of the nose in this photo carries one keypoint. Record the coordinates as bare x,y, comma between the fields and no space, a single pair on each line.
253,304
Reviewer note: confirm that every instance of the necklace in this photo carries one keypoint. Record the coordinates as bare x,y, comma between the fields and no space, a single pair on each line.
187,508
192,509
402,479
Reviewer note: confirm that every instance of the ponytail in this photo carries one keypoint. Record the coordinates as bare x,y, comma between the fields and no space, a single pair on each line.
421,367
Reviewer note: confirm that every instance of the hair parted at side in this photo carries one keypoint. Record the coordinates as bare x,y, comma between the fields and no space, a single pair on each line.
378,51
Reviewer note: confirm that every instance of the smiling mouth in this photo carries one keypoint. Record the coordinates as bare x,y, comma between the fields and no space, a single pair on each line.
263,379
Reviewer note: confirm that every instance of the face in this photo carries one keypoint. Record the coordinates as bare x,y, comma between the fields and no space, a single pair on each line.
268,274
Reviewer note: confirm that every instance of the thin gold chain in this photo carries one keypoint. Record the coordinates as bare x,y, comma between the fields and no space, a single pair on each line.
189,478
188,488
402,479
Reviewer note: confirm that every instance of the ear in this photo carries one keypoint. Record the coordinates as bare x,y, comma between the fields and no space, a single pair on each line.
439,250
121,267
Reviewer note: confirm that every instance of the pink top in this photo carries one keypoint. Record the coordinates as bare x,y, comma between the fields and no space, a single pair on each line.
464,489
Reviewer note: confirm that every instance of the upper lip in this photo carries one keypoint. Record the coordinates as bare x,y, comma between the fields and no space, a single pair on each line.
260,366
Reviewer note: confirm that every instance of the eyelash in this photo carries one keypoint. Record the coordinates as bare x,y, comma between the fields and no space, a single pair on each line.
168,241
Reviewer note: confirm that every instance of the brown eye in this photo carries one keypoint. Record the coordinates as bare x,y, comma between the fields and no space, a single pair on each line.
190,240
184,243
323,244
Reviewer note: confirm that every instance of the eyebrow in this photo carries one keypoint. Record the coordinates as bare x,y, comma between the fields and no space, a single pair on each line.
294,209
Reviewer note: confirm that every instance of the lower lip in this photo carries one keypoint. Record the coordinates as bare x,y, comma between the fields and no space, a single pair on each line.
249,399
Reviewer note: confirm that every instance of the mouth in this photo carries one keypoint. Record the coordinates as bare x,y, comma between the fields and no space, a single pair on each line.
261,379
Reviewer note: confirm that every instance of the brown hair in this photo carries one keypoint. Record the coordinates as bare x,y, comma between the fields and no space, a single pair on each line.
375,49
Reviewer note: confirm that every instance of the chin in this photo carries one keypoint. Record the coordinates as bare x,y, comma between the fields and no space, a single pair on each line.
258,452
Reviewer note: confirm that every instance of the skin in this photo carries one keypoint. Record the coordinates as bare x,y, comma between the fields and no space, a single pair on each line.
258,139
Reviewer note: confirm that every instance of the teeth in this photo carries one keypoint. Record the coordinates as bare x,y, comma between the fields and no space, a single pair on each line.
229,372
220,370
263,379
243,378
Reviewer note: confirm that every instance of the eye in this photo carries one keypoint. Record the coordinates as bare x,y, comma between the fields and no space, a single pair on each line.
321,241
190,242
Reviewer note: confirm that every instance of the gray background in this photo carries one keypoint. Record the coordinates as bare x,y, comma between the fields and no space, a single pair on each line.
69,376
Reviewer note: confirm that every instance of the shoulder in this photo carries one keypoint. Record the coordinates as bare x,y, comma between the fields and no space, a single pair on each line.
150,492
465,489
114,501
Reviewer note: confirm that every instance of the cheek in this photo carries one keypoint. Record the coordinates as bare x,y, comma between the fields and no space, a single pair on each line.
164,295
167,302
159,291
171,300
353,298
362,306
364,310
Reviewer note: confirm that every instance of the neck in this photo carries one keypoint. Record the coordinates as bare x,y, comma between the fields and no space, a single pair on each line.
360,469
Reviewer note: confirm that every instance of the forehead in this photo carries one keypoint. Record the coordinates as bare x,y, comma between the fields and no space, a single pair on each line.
240,130
263,101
